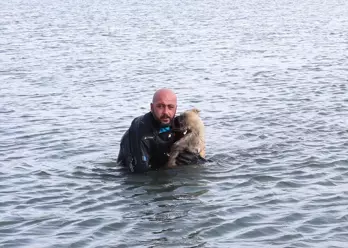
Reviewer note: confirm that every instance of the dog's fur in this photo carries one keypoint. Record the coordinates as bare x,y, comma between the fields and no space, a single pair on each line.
193,139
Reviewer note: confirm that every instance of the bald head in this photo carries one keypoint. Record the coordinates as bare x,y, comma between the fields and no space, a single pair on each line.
164,94
163,106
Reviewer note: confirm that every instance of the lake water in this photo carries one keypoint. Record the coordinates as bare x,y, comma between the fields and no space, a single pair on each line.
270,79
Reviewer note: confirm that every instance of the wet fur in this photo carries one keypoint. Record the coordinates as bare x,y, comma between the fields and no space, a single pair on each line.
193,140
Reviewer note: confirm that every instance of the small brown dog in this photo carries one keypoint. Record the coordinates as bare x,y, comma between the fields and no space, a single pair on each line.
190,126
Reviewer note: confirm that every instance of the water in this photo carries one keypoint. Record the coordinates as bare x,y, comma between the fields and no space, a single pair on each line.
270,79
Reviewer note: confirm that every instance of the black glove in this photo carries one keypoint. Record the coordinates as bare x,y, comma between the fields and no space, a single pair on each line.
186,158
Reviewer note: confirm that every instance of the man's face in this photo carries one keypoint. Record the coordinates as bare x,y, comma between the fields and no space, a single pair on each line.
164,109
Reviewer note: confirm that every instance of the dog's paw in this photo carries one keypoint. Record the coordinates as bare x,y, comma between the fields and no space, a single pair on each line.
171,165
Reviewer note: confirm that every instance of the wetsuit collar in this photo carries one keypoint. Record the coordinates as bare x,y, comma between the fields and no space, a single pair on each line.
164,129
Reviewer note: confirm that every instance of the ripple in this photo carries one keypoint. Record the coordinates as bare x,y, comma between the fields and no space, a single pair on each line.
258,232
289,184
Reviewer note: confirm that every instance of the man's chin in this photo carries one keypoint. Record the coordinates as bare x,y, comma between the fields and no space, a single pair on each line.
165,121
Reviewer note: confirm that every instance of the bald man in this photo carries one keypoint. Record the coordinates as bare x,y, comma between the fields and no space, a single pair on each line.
146,144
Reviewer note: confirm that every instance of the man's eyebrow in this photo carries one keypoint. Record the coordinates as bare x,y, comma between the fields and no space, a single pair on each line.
170,104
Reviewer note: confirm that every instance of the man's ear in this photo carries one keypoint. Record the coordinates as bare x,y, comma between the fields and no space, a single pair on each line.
151,107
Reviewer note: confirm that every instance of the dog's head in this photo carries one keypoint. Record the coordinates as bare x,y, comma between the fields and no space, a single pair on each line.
187,121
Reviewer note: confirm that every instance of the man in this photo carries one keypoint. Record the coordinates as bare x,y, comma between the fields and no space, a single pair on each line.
146,144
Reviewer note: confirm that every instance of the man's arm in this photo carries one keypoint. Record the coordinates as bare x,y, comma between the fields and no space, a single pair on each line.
135,147
188,158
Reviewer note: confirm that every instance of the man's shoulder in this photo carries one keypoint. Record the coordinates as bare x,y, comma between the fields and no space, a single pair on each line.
143,123
143,119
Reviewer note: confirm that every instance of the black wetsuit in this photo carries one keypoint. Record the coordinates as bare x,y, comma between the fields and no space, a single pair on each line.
146,144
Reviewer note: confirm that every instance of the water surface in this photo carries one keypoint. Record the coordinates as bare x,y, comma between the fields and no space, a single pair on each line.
270,79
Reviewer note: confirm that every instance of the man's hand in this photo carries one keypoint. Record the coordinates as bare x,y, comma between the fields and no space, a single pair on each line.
186,158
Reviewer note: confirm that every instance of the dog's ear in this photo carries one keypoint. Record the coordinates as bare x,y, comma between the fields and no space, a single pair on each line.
195,110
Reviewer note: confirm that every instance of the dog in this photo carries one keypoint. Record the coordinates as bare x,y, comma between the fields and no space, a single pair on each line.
190,129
